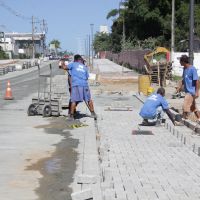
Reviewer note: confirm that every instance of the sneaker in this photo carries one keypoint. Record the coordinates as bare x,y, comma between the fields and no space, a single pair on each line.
145,122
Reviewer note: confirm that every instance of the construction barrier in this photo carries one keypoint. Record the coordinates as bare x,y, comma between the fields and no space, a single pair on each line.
8,94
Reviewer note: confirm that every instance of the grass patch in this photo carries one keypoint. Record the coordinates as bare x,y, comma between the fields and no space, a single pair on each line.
176,78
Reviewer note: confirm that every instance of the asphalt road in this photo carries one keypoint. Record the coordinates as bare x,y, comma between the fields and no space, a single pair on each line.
25,83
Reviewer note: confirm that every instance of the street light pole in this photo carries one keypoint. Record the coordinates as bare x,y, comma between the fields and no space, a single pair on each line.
33,42
121,6
191,35
172,30
86,47
89,48
92,25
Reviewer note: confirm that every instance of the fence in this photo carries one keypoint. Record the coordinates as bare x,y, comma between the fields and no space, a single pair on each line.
133,59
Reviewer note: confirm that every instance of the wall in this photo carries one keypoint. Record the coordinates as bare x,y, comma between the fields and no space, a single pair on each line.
177,69
134,59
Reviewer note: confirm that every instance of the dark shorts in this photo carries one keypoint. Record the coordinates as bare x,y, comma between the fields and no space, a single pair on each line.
79,94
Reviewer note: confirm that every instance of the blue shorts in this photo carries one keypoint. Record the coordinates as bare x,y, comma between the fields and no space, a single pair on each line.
80,93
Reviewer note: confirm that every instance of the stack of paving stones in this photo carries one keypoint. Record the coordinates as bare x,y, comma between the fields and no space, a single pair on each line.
86,179
154,166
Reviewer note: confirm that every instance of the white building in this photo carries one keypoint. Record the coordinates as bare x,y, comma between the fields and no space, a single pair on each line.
16,44
177,69
104,29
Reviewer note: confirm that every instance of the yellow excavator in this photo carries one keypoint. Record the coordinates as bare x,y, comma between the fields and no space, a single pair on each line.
158,65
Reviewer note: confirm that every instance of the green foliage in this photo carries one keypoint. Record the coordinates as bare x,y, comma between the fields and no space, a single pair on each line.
102,42
112,13
176,78
56,42
148,23
3,55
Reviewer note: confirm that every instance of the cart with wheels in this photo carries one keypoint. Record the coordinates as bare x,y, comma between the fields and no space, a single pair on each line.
44,104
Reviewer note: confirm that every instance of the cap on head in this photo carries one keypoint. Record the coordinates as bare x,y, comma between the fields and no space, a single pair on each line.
184,59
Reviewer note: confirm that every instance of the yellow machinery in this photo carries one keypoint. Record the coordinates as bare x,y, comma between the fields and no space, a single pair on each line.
158,65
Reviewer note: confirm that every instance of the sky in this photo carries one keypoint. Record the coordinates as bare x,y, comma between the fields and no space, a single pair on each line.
67,20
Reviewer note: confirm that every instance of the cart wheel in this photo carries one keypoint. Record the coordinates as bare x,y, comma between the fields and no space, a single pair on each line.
47,111
32,109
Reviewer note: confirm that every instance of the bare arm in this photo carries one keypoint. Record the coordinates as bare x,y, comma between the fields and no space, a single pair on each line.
180,85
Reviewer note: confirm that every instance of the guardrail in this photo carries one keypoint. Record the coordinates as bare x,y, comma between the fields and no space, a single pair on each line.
17,66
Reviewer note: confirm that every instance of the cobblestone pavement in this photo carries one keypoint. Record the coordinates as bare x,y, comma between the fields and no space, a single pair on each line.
154,166
159,163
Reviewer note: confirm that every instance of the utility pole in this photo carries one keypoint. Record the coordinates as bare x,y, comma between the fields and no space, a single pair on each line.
86,51
124,35
191,34
43,37
33,42
5,49
89,49
122,8
172,30
92,25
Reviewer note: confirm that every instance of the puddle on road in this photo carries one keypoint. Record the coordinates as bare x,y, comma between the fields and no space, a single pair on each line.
57,170
53,165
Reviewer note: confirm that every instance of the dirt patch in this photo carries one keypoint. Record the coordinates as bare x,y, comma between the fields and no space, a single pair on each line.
114,87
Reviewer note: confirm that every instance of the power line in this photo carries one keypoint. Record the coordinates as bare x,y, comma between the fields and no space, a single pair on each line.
12,11
43,23
4,27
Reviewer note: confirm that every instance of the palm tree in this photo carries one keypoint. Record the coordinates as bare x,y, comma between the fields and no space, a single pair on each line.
112,13
56,44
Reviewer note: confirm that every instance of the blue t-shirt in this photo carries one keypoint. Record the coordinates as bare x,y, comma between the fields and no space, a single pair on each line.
151,104
190,77
79,74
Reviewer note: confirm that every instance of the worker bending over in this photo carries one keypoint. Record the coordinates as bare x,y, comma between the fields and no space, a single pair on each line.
154,108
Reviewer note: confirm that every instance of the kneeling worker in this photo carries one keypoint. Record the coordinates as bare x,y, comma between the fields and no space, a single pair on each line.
154,108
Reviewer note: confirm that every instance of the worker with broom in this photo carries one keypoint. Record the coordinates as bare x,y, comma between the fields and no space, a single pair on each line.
79,85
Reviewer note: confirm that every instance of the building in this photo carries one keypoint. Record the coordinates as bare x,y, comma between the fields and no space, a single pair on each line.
22,45
104,29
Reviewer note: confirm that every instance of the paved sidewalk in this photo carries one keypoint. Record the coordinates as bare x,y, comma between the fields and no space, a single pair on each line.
139,167
143,167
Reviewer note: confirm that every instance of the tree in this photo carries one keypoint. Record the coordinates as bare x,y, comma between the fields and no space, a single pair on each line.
112,13
56,43
102,42
152,19
3,55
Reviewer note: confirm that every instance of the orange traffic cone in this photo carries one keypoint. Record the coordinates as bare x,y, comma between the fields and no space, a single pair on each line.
8,95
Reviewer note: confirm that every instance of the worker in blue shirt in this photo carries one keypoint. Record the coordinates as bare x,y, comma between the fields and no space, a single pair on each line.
190,83
79,85
154,108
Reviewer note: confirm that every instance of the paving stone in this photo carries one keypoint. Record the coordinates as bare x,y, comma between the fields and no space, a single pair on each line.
82,195
86,179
